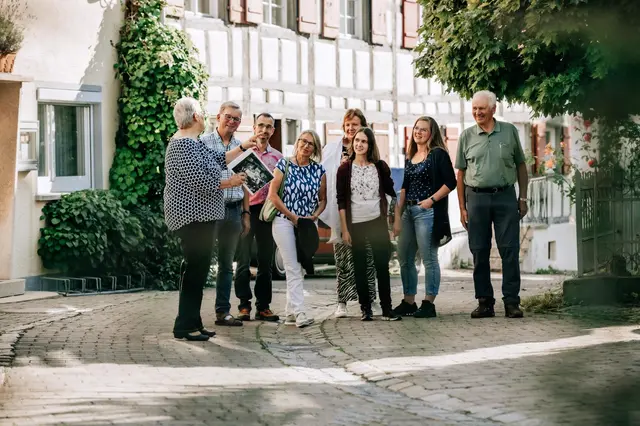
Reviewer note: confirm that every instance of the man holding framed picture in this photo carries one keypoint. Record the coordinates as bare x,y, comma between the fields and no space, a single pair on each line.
263,129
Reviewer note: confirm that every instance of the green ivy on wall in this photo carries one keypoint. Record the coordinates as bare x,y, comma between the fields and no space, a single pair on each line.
157,64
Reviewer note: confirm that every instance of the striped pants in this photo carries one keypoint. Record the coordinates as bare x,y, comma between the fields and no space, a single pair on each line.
346,275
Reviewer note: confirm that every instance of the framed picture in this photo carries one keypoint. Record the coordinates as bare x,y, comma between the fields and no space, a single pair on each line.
258,175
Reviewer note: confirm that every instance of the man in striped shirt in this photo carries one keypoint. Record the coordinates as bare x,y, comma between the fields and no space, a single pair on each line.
236,219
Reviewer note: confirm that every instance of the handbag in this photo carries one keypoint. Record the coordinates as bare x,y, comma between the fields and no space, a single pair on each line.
268,211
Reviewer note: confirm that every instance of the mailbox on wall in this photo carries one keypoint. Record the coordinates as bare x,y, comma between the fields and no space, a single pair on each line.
27,146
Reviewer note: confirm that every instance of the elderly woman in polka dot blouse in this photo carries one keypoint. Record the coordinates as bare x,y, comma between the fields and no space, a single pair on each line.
193,202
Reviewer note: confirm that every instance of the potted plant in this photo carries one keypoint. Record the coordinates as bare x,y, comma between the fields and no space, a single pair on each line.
12,14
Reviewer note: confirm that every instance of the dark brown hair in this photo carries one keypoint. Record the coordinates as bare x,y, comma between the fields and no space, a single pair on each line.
373,154
435,141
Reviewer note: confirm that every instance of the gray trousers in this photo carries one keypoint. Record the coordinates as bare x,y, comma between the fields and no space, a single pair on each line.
501,210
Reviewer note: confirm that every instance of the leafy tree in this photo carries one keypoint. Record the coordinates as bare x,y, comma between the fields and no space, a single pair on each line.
557,56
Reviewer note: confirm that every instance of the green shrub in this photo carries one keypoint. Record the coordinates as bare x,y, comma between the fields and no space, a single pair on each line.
157,65
12,14
89,232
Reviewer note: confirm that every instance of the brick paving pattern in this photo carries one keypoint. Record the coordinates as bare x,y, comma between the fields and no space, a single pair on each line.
112,360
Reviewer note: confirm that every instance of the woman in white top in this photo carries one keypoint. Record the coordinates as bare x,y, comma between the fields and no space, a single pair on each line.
362,186
335,154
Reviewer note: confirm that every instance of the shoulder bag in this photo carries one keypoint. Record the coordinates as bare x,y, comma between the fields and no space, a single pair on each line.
268,212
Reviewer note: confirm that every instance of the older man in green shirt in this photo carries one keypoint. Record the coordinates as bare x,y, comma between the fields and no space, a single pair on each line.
489,162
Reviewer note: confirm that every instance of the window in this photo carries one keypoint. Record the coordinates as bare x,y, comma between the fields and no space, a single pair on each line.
348,17
202,7
64,147
274,12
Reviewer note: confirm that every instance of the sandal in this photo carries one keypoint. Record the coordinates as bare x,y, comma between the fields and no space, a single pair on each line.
228,320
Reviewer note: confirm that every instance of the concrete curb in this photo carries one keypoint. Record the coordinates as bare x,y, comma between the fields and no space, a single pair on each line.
29,296
2,376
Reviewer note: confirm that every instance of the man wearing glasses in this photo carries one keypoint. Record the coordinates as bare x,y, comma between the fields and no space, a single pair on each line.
263,129
236,219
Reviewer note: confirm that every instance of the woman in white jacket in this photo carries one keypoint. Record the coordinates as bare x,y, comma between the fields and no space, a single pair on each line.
333,154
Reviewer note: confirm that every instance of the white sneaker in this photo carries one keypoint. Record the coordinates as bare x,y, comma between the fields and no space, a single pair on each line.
302,320
290,320
375,308
341,310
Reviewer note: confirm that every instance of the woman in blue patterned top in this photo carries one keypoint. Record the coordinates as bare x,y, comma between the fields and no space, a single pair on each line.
304,196
424,225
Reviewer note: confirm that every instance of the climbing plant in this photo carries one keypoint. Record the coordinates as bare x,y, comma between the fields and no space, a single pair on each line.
157,64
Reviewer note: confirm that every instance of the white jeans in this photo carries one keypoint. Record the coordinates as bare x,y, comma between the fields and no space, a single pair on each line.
286,241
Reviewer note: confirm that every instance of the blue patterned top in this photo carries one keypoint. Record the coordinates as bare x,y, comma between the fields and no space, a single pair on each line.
301,188
417,179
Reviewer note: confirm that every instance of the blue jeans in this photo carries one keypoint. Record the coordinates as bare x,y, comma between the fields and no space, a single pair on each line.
227,237
417,233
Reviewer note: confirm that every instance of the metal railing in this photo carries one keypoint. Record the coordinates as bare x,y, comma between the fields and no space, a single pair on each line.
608,222
548,201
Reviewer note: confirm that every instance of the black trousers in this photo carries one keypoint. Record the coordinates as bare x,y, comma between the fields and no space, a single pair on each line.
261,231
377,234
196,239
501,210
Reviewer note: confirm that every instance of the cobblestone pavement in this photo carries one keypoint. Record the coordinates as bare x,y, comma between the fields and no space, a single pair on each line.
112,360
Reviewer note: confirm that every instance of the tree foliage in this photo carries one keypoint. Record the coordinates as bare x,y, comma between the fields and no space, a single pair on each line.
157,64
557,56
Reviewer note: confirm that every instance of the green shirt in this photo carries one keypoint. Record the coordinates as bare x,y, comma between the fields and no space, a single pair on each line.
490,159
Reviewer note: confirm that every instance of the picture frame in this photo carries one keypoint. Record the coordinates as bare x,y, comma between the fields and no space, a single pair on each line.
258,174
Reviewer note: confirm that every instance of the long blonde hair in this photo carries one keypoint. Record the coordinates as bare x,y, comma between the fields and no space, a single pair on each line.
317,145
435,141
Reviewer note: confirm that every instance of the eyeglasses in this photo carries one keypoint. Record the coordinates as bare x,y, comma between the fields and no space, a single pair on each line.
304,142
232,118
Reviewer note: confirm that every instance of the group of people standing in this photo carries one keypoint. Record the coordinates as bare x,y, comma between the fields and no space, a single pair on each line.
349,187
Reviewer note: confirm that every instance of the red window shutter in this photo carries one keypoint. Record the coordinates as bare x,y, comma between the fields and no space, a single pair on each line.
236,11
410,23
331,18
378,22
308,16
254,11
407,135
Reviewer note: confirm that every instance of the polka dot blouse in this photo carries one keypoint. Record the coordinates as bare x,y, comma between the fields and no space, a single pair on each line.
192,192
418,179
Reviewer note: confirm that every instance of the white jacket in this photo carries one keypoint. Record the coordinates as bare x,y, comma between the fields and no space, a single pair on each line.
331,155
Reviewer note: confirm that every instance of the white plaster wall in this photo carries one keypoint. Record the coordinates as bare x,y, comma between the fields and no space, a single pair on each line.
325,64
566,259
382,70
290,61
346,68
80,53
219,53
405,74
363,70
238,61
270,58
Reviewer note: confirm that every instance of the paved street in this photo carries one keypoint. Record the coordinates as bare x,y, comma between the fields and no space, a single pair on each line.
112,360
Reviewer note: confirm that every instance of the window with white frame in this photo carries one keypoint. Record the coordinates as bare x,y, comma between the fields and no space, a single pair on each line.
201,7
274,12
348,17
64,147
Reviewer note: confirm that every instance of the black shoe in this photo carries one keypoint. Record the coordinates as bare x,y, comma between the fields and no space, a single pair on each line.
427,310
512,311
485,308
367,313
228,320
193,336
405,309
390,315
207,332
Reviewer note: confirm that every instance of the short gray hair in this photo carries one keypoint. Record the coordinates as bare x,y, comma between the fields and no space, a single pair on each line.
489,96
184,110
228,104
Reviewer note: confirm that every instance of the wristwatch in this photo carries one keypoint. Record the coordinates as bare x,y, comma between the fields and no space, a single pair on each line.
433,199
242,148
245,212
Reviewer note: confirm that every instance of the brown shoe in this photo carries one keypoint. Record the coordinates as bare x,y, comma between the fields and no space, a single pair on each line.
485,308
244,314
512,311
267,315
